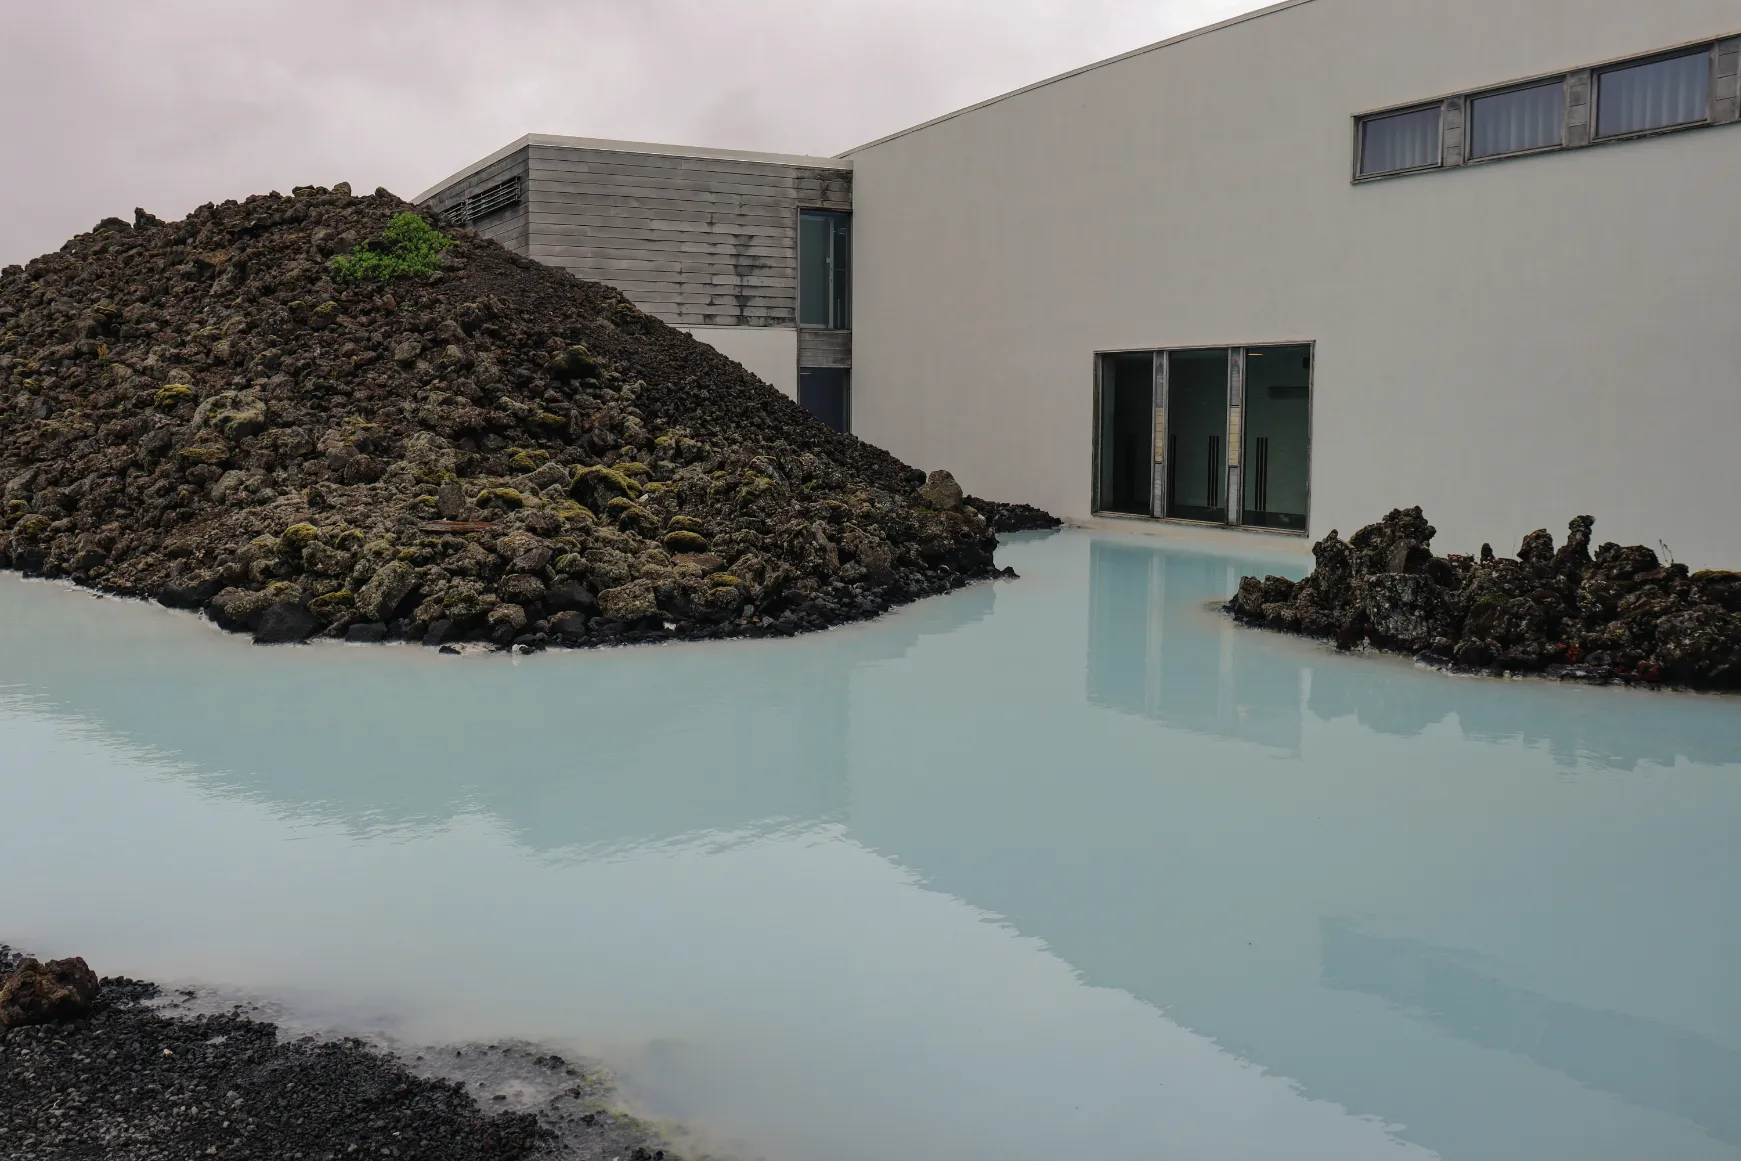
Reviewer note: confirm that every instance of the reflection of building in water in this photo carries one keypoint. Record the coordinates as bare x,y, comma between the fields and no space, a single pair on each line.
1386,697
1157,648
1646,1061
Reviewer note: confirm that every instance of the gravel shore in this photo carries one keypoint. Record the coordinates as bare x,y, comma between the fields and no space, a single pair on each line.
138,1081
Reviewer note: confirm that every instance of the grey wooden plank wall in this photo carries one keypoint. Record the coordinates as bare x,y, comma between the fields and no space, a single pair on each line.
508,226
696,241
818,348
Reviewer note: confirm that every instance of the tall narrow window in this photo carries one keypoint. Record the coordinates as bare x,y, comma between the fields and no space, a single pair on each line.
1403,141
1518,121
824,269
1657,95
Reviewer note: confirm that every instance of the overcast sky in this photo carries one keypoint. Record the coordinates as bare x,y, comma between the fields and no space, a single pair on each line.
105,104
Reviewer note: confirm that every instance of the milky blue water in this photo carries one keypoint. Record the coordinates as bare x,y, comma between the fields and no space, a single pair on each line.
1059,867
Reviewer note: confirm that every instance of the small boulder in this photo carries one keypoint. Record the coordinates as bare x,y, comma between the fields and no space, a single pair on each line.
188,594
569,626
385,590
572,364
285,624
521,588
450,500
511,618
570,597
237,609
682,540
629,602
548,476
43,993
940,491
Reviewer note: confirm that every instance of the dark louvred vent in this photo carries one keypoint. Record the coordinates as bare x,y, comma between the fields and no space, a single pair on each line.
493,200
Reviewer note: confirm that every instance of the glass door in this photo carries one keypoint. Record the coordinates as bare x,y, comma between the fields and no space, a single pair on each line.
1127,424
1277,437
1196,452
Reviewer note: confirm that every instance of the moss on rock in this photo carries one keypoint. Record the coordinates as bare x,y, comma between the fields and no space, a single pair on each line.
684,541
298,536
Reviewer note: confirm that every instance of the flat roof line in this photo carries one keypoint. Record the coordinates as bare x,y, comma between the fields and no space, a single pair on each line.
1076,72
651,147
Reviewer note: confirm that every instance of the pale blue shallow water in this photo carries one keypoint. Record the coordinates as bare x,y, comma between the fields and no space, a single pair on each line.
1061,867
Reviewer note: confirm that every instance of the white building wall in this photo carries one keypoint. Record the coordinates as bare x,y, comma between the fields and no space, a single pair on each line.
771,353
1507,345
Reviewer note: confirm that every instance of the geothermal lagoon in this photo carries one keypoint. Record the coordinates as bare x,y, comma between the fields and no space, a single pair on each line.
1068,865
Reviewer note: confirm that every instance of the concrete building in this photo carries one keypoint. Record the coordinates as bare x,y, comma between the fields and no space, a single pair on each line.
709,240
1292,270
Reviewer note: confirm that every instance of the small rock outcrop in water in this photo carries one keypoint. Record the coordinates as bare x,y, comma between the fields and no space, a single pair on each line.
440,442
42,993
1619,613
1015,517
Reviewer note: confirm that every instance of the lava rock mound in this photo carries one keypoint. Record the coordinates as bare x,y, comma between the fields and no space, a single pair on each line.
1620,614
213,414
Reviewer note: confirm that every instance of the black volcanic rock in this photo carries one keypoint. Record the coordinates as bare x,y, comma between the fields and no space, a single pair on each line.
120,1076
202,412
1616,614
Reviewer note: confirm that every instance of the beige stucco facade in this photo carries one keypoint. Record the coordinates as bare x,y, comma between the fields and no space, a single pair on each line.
1507,344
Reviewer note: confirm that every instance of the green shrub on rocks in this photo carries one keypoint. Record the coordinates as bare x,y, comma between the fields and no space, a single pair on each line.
408,248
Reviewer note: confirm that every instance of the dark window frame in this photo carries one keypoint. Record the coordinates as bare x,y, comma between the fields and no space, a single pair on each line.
1457,119
1237,353
838,296
1596,75
1401,111
1563,81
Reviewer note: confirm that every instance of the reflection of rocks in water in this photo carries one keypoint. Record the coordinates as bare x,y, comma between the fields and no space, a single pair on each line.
1155,650
564,750
1572,723
1384,701
1646,1061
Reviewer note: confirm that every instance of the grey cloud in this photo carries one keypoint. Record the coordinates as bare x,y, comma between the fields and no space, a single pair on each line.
110,104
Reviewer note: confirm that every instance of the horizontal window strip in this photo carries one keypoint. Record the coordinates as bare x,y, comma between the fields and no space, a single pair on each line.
1662,91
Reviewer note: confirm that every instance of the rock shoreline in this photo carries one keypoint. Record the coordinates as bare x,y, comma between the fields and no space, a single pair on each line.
1618,614
206,413
126,1079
